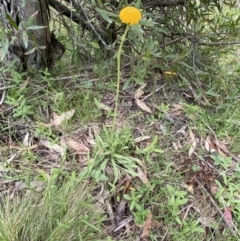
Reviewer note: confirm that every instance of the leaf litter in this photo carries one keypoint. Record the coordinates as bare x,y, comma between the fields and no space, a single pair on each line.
149,224
201,175
58,120
80,143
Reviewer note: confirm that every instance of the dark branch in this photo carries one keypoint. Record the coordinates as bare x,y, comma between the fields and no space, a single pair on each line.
80,17
157,3
63,10
218,43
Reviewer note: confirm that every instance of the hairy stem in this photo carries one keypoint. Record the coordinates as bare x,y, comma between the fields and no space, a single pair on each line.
119,74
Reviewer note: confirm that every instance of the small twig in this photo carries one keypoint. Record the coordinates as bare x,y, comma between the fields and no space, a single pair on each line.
5,78
147,96
92,27
217,43
233,229
6,87
3,89
3,97
209,128
108,206
164,236
186,213
123,223
234,157
176,40
71,77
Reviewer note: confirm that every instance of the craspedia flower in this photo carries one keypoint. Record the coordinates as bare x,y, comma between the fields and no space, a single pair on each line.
130,15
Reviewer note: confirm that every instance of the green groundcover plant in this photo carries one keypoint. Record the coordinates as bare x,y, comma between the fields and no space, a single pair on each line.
61,211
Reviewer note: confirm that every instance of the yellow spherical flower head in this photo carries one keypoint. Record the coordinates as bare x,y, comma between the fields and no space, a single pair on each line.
130,15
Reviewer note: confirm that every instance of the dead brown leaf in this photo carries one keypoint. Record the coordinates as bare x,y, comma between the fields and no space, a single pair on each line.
141,138
77,146
104,107
142,175
94,131
26,140
214,188
84,161
190,189
193,143
59,119
139,92
213,145
21,148
177,109
143,106
55,147
148,225
37,185
208,222
209,144
222,146
24,84
91,141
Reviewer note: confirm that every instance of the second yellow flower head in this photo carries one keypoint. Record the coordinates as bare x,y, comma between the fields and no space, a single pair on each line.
130,15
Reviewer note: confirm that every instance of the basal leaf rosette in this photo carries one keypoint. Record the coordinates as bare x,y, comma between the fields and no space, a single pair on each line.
130,15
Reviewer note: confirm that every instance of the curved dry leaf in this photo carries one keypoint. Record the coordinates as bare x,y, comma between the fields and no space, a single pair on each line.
192,149
209,144
148,225
142,175
24,84
26,140
104,107
139,92
141,138
59,119
190,188
208,222
214,188
221,145
177,109
228,216
77,146
55,147
193,144
91,141
143,106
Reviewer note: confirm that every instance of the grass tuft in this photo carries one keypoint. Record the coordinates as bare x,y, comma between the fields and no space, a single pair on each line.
59,212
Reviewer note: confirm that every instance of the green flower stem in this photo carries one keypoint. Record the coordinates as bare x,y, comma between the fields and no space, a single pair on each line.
119,74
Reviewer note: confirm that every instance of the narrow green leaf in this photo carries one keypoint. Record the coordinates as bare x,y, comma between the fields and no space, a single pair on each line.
30,51
4,49
36,27
115,170
11,21
94,44
25,38
127,197
147,23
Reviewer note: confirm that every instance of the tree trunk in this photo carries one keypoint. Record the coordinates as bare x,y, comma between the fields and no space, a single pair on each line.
31,47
